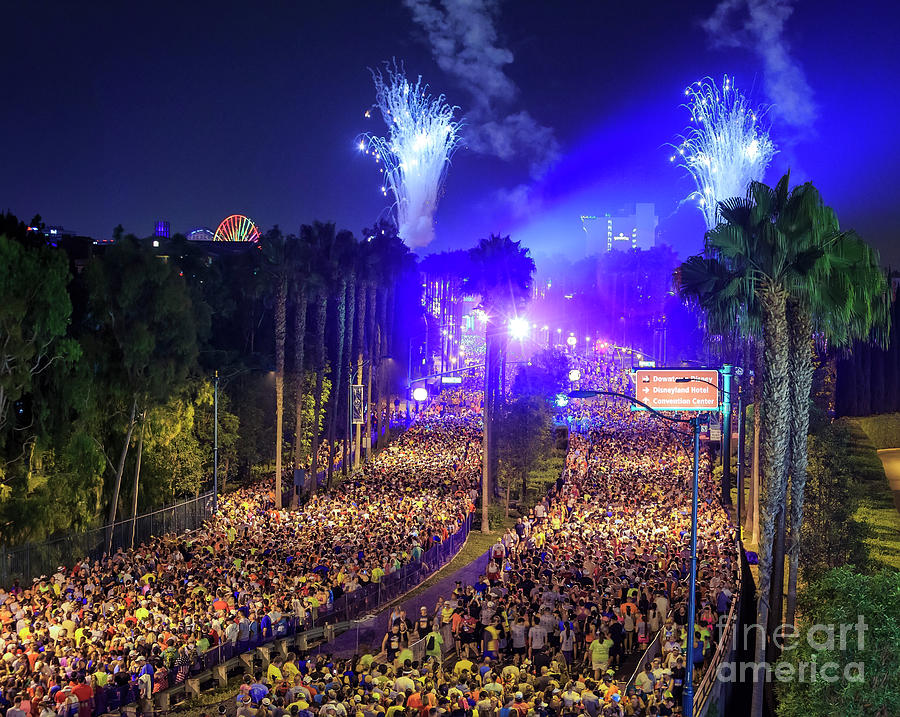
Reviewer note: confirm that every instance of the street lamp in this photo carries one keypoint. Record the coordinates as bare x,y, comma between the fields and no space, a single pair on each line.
688,694
519,327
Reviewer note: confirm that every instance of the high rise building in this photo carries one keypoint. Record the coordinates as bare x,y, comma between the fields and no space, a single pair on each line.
622,231
162,230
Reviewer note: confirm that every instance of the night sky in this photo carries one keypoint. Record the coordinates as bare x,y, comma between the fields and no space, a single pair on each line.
190,111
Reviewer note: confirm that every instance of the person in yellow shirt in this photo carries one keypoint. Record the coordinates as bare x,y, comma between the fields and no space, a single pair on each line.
492,638
397,709
101,676
273,673
289,669
463,665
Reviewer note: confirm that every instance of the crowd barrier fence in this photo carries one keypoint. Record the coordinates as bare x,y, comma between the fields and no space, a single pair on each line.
711,690
31,560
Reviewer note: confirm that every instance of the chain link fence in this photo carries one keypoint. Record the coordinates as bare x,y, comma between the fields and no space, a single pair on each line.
31,560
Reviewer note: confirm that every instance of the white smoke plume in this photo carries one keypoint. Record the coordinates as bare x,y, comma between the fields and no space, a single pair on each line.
759,25
465,45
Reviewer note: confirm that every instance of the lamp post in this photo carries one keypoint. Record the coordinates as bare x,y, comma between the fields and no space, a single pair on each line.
727,372
688,695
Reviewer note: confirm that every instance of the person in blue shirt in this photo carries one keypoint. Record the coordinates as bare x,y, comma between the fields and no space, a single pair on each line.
258,690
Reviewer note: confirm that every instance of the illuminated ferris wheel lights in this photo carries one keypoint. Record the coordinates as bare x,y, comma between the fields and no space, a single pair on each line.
237,228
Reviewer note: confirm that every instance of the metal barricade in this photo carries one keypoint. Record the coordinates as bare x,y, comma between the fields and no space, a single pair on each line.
29,560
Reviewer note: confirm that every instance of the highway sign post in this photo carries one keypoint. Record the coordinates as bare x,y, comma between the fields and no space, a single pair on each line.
677,389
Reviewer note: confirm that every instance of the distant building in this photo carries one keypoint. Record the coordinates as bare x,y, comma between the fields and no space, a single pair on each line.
163,230
621,232
201,234
54,232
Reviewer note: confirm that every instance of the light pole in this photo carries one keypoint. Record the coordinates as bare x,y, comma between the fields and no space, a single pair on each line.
688,695
727,370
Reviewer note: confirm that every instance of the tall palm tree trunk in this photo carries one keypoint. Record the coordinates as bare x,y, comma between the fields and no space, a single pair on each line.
498,400
381,351
299,379
801,369
775,420
487,430
321,317
280,334
358,352
753,502
337,374
350,302
776,589
371,300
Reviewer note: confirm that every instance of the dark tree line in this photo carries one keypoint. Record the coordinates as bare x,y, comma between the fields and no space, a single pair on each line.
109,352
868,376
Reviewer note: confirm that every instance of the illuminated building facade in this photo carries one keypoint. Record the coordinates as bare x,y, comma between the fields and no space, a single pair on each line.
621,232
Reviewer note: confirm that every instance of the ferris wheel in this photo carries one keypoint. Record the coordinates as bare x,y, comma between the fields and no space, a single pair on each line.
237,227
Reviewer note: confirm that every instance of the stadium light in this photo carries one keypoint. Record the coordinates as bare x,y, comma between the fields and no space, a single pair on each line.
519,327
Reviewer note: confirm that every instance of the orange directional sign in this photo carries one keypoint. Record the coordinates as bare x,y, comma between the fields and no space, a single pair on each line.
676,389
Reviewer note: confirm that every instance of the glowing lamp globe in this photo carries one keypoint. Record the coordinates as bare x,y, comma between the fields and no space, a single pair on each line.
562,400
574,374
518,327
420,394
572,341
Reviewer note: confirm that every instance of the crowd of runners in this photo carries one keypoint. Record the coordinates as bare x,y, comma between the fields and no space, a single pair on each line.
572,595
578,588
149,614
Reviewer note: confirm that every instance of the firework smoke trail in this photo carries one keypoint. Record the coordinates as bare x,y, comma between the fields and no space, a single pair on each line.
725,148
422,137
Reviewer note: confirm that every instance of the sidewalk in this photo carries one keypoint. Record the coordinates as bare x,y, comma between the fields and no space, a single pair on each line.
367,634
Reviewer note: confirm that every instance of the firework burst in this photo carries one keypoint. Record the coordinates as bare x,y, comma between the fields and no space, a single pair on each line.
725,147
421,138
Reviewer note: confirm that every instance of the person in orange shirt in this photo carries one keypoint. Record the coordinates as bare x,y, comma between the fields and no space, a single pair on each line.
609,687
455,622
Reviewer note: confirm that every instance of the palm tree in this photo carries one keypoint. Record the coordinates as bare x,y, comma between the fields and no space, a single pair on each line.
274,246
503,274
364,272
318,238
325,245
343,255
845,299
395,263
303,285
753,259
